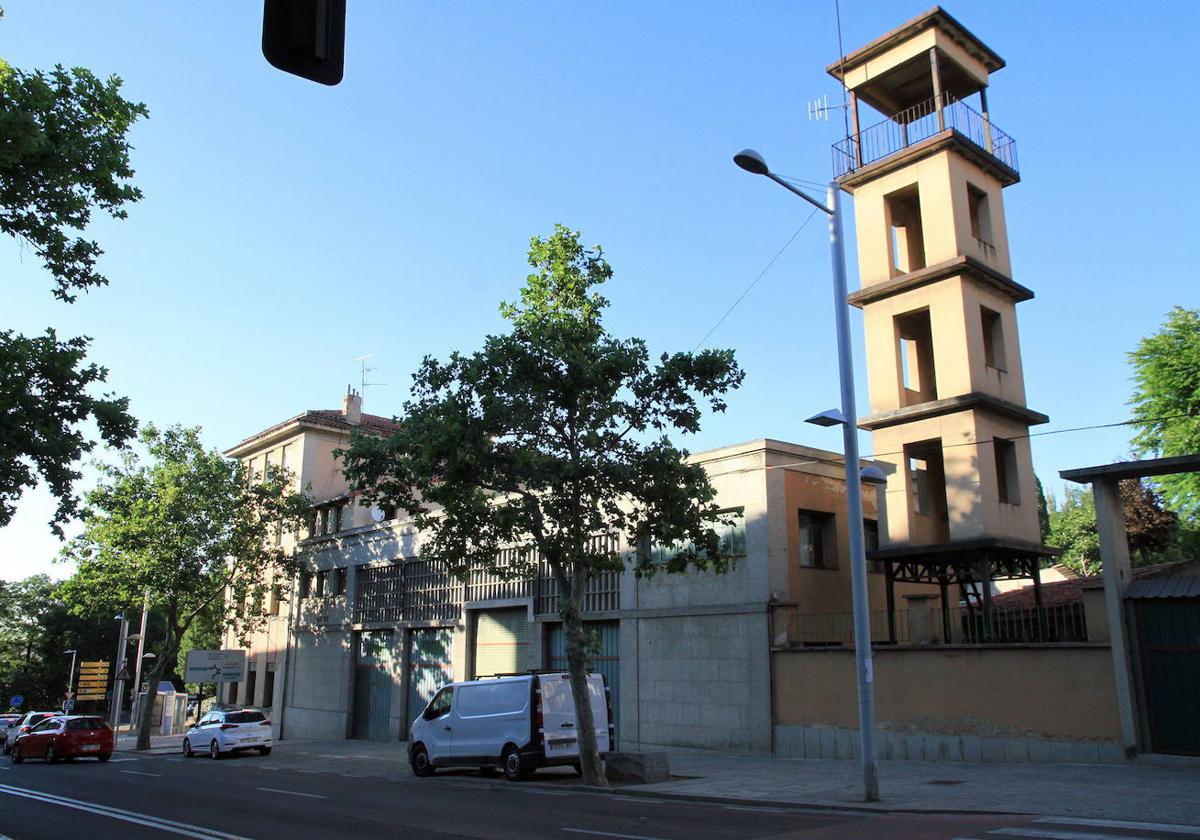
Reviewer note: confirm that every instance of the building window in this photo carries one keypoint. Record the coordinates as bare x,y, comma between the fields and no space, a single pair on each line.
918,478
1006,471
871,543
981,219
993,339
907,243
269,686
273,600
340,581
914,350
305,585
322,584
251,676
818,543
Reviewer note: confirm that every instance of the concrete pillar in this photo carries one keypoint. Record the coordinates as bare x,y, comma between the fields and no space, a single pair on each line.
1114,556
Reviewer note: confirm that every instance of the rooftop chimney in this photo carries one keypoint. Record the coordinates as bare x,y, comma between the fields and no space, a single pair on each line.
352,407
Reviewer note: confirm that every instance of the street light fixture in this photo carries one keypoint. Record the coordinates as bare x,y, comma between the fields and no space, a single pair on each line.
753,162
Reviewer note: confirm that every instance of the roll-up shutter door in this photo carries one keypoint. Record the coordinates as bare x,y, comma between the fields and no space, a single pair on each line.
501,642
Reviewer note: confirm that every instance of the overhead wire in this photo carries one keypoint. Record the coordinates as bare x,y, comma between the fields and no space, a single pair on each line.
754,282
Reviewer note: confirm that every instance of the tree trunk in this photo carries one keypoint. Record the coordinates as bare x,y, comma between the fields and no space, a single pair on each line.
576,639
169,652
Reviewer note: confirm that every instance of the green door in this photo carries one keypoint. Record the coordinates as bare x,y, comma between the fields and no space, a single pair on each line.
1169,647
373,685
606,661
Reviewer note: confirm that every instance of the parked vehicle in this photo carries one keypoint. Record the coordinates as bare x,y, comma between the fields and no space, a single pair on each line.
226,731
65,736
26,723
518,723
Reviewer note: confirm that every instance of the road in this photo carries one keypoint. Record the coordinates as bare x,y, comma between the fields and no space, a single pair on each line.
157,796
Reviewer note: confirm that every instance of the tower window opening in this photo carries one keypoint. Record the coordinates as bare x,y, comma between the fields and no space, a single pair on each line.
818,546
993,339
981,220
914,351
905,239
926,477
1006,471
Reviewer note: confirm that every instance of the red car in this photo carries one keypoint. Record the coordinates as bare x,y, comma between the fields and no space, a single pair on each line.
65,736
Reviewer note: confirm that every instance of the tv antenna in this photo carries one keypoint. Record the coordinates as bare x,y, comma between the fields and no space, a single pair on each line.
818,109
363,370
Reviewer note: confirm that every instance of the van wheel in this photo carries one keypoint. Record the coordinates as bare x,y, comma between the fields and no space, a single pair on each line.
421,765
513,765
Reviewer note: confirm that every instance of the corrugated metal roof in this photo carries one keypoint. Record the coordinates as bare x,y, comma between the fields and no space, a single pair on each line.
1167,586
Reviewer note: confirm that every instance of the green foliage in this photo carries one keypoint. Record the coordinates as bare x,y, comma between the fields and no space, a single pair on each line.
1151,531
538,438
1166,404
1073,529
64,154
189,526
43,398
36,626
1043,510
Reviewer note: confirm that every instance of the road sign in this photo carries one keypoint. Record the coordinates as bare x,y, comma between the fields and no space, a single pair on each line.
16,701
101,696
97,666
68,705
215,666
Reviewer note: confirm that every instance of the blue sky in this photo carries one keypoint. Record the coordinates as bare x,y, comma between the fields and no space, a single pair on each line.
288,227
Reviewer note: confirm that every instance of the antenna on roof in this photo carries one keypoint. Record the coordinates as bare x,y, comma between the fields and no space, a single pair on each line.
363,371
818,109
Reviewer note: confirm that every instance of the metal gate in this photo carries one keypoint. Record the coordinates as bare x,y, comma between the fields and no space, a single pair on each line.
429,668
373,685
1169,651
606,662
501,642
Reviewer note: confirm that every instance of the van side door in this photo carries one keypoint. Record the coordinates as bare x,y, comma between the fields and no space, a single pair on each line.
438,729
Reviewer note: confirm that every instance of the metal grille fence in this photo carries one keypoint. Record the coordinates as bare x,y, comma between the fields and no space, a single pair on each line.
380,594
603,589
825,629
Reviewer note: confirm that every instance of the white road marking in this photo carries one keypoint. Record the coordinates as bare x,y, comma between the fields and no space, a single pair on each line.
1054,834
140,773
611,834
121,760
174,760
294,793
160,823
1169,828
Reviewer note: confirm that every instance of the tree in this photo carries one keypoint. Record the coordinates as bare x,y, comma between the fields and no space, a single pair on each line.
1150,529
1043,510
190,527
64,154
536,440
36,626
1166,404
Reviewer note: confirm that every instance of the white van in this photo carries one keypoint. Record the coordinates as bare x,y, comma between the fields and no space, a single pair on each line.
517,722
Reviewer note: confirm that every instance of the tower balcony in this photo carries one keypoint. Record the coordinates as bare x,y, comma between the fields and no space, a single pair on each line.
923,129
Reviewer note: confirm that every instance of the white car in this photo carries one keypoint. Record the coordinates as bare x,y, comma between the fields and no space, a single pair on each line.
20,727
228,731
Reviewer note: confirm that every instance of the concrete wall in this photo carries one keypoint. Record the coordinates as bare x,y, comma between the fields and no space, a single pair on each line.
319,685
696,682
1007,702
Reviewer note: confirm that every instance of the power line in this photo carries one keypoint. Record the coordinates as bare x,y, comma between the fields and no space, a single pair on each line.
754,282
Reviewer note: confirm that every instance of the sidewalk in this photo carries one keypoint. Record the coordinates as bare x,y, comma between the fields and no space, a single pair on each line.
159,744
1141,791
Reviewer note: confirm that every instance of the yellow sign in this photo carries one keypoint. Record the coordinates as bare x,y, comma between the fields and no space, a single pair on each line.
91,696
83,685
95,663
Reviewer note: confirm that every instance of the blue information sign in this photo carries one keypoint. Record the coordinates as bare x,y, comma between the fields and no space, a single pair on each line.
16,701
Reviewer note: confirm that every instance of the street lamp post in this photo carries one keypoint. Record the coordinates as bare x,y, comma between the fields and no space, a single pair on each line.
753,162
71,677
118,680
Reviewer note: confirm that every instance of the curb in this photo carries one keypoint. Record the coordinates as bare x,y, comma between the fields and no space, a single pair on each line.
821,807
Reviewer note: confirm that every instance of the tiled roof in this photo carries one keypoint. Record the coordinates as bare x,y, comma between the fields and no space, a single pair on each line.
1063,592
330,418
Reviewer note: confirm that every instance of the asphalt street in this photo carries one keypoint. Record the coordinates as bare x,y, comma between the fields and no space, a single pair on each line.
157,796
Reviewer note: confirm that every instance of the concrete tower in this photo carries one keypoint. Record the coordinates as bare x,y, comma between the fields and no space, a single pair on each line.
939,304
